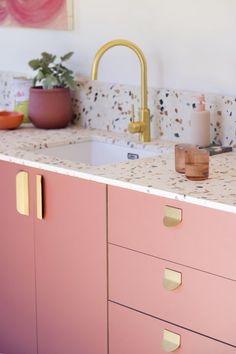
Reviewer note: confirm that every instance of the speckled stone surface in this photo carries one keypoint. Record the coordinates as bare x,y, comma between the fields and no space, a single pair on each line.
105,106
108,107
154,175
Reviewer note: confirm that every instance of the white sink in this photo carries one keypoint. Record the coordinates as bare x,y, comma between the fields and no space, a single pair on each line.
93,152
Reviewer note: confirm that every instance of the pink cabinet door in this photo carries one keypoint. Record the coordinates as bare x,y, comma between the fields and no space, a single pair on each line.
133,332
200,301
205,239
71,267
17,274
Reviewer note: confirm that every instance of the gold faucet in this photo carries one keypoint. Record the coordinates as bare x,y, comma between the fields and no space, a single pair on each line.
143,125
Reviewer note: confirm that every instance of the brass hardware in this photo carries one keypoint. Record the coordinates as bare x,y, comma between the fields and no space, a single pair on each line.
134,127
173,216
39,196
22,193
171,341
172,279
143,126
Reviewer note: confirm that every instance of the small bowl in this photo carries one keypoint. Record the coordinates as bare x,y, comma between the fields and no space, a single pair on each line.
10,120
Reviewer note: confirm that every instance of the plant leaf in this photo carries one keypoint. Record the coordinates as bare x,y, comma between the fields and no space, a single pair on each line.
34,64
49,82
67,56
51,72
68,81
39,77
48,58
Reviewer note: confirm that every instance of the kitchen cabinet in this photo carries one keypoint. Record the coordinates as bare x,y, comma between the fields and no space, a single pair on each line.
63,259
170,264
172,279
135,332
204,240
17,270
70,244
202,302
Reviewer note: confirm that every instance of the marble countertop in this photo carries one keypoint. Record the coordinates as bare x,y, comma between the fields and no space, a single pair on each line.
154,175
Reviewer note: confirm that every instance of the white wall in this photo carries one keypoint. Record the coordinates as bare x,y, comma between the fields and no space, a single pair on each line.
189,44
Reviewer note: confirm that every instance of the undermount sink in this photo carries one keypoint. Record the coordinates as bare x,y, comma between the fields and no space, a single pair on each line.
95,153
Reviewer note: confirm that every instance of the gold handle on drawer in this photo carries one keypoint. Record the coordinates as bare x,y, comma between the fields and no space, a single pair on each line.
171,341
173,216
172,279
22,193
39,196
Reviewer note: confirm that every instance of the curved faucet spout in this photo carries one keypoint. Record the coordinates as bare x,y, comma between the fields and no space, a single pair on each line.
137,50
143,126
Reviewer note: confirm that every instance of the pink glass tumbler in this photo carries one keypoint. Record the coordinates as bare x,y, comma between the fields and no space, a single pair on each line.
180,150
197,164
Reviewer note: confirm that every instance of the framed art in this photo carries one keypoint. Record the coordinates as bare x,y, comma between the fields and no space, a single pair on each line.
49,14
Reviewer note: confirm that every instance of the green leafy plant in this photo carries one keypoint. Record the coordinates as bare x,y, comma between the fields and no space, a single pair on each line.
51,72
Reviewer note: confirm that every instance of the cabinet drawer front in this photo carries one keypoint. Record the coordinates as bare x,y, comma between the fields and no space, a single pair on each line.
204,303
205,239
133,332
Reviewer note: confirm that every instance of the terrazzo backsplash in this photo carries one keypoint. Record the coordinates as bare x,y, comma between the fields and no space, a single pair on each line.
107,107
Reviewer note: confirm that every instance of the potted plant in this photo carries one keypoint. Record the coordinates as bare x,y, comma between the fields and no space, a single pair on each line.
50,104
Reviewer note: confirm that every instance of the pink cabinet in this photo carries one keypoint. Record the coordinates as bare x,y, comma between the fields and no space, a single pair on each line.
133,332
205,239
71,267
201,302
179,270
17,272
53,270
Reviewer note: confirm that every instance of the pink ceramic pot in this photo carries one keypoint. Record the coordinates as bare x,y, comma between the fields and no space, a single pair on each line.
50,109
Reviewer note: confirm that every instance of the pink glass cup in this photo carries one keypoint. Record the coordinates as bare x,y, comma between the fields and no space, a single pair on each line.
180,150
197,164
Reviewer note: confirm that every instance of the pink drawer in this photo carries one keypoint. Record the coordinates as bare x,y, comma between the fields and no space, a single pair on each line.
204,303
133,332
205,239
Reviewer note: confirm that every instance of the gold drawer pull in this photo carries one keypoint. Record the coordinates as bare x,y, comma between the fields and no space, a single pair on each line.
171,341
173,216
39,193
22,193
172,279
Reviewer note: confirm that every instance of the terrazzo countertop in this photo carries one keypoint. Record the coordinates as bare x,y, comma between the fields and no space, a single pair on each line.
154,175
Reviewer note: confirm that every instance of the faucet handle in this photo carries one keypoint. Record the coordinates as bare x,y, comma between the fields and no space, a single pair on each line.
134,126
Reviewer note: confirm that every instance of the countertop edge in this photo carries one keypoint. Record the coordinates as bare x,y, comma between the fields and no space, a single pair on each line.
119,183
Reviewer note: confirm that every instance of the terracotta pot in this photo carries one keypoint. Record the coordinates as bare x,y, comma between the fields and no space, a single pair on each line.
50,109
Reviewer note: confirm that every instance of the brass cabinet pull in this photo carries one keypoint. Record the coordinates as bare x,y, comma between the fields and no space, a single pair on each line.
22,193
173,216
171,341
172,279
39,196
